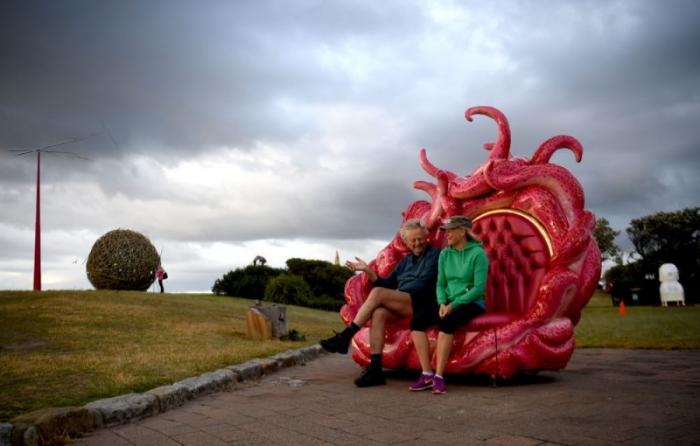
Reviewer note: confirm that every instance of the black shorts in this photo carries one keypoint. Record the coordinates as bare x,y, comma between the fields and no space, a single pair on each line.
422,302
458,317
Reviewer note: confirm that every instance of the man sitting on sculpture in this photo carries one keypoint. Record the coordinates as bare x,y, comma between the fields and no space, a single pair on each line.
409,290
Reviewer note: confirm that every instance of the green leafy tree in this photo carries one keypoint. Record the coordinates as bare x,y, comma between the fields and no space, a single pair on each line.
288,289
249,282
670,237
630,279
327,281
605,236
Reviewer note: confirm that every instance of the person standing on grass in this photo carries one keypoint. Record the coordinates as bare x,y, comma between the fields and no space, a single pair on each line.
461,284
408,290
161,275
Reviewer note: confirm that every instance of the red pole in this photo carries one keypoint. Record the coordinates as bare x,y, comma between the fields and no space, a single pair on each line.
37,227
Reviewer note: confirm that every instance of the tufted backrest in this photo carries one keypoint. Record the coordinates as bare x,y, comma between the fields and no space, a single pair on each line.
519,250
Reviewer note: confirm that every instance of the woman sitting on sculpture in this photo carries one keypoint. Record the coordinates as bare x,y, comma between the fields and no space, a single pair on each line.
461,284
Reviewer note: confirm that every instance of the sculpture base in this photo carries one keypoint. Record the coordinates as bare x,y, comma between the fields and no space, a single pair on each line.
266,322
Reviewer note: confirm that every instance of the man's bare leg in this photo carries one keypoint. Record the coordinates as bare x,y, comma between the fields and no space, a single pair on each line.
380,317
373,375
397,302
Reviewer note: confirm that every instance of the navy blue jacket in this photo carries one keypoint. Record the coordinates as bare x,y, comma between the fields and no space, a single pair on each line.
414,275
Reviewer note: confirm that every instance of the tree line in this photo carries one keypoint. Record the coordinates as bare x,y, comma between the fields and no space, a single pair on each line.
309,283
663,237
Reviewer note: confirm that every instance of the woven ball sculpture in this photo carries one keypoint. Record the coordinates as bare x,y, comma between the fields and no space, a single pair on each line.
122,260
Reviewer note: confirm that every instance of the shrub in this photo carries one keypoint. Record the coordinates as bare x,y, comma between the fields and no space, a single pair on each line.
288,289
249,282
293,335
327,281
310,283
633,279
326,302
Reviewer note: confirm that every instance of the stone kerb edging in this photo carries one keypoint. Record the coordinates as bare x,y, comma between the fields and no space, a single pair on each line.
55,425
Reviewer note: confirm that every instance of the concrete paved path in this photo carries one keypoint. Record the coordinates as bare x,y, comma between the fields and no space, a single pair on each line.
630,397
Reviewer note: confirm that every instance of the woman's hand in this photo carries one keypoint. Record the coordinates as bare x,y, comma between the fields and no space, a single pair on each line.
444,310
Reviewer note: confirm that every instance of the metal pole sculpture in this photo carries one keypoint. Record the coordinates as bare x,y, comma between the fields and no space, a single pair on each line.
37,222
37,227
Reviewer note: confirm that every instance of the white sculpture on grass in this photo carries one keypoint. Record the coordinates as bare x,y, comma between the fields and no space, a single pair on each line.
671,290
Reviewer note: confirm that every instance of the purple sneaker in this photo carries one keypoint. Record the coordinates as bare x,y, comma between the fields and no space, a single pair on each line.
424,382
438,385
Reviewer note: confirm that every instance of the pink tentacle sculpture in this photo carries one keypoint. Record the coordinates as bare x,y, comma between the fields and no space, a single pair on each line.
501,148
547,149
544,263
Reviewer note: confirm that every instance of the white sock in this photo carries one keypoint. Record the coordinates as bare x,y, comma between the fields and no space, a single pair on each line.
428,373
438,376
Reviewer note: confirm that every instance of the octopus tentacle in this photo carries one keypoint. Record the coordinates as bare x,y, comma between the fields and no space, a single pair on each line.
432,217
427,187
501,148
547,149
426,164
550,176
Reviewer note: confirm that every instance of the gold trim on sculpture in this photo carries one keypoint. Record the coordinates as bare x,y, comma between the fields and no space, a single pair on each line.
527,217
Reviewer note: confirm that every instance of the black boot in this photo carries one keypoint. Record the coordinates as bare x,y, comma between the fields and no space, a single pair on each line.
339,343
371,376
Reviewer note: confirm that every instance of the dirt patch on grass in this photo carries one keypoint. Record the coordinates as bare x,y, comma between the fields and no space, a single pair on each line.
25,346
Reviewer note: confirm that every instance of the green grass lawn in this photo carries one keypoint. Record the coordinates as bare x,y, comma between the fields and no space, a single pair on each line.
670,327
62,348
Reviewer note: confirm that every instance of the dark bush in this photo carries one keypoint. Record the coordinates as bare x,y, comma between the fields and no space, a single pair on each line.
633,283
326,302
327,281
249,282
310,283
288,289
294,335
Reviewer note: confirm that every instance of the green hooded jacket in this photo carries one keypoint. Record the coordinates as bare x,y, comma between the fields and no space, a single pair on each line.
462,275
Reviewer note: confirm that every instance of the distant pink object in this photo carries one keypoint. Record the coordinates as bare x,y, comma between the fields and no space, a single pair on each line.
544,263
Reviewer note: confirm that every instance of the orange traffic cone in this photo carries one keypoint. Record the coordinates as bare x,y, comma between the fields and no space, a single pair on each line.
623,310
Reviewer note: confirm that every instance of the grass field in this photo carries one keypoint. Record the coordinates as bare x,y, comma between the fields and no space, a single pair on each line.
670,327
67,348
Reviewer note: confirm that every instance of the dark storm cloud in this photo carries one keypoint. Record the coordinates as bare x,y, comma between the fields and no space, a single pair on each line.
180,74
624,78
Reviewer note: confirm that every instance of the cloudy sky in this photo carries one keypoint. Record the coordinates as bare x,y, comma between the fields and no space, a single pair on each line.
292,128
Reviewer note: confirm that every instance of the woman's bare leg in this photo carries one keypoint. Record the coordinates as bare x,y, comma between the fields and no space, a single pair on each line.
444,345
420,341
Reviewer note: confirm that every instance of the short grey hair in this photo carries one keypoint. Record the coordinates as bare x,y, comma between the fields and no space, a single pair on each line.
414,223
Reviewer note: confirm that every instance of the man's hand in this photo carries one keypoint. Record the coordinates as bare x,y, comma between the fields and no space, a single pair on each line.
359,265
444,310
